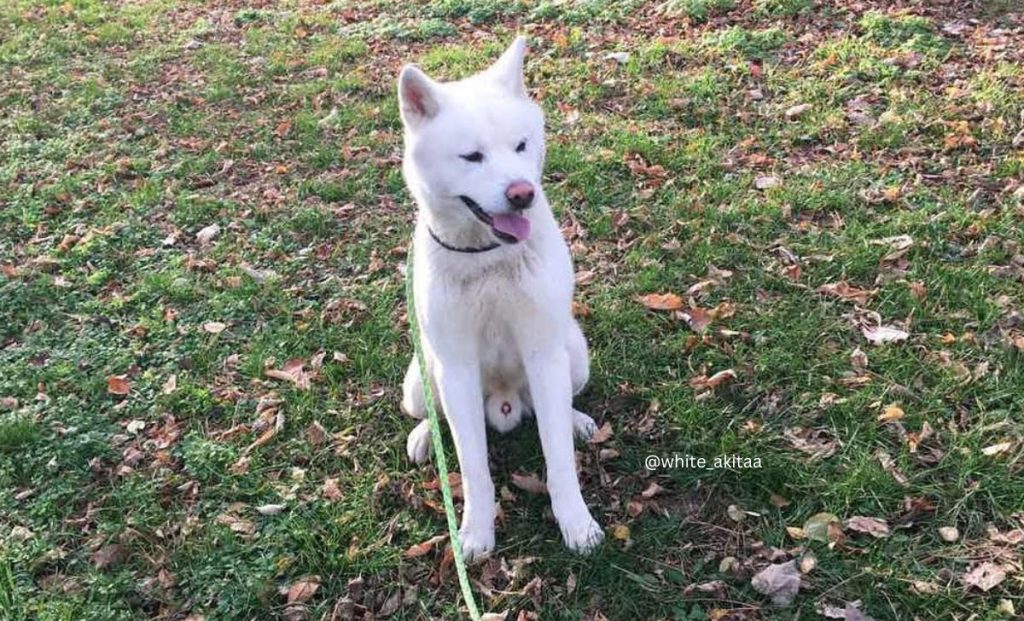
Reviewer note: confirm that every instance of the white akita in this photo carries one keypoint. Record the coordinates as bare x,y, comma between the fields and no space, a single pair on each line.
493,283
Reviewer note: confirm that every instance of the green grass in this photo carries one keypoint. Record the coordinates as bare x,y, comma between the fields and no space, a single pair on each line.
130,127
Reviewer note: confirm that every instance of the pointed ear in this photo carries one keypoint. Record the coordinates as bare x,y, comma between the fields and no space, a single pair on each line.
508,70
417,96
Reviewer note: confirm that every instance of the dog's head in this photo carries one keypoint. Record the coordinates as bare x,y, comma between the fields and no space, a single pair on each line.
474,148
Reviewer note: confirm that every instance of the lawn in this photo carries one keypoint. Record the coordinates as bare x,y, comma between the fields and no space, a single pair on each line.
797,230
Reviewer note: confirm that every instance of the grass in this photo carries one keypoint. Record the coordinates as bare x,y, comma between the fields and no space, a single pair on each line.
130,127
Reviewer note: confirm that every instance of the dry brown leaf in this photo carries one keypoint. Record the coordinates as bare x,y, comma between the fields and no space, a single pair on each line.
109,556
214,327
985,576
421,549
820,527
697,318
844,291
883,334
818,443
293,371
890,413
207,233
529,483
794,112
781,582
236,524
620,532
330,490
652,490
603,434
118,385
996,449
875,527
302,590
662,301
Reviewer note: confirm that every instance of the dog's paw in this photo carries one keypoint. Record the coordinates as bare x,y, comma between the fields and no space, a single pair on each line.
583,426
582,536
477,543
417,445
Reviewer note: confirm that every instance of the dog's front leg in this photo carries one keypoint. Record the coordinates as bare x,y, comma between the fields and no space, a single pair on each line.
462,400
551,388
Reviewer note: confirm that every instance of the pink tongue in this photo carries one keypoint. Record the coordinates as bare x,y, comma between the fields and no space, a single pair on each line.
511,224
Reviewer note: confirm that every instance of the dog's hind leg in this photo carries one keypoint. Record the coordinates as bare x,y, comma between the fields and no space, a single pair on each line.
579,359
579,372
417,445
412,392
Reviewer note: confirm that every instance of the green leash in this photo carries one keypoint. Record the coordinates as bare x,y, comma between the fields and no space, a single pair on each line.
435,436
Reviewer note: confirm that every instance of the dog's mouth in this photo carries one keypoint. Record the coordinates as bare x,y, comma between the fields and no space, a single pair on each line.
510,228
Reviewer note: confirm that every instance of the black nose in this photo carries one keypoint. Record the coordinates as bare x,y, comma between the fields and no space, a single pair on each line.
519,194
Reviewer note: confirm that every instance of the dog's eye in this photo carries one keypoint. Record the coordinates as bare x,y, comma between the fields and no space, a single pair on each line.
475,156
521,146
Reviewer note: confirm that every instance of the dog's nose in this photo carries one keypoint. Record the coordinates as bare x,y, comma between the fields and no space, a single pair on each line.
520,194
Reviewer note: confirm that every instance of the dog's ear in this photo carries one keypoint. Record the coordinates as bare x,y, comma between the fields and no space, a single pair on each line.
417,96
508,70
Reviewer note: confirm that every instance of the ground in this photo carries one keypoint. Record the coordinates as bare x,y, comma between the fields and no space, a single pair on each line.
797,234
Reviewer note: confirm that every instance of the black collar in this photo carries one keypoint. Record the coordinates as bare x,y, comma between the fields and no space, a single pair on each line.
470,250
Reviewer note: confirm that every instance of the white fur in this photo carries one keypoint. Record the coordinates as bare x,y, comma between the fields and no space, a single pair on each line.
496,327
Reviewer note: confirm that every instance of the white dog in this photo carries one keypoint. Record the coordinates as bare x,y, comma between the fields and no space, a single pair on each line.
493,284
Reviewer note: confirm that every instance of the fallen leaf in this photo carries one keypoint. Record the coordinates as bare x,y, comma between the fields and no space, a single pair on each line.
765,182
214,327
797,111
697,318
922,587
603,434
236,524
883,334
817,526
844,291
529,483
852,613
662,301
703,382
293,371
330,490
109,556
135,426
918,290
808,562
985,576
283,128
859,360
890,413
118,385
818,443
875,527
207,233
620,532
652,490
780,582
303,589
996,449
421,549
